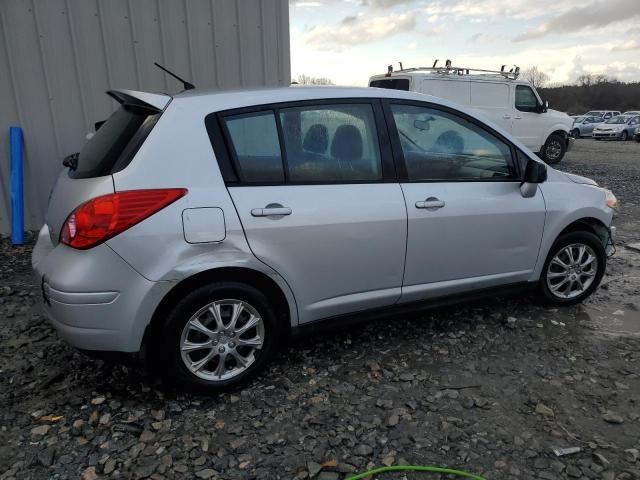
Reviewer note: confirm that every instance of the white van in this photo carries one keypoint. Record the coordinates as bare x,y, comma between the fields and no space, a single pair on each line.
499,96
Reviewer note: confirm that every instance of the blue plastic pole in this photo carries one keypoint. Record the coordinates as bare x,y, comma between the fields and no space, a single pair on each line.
17,196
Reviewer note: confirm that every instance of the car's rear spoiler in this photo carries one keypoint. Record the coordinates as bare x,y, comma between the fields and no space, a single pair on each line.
156,102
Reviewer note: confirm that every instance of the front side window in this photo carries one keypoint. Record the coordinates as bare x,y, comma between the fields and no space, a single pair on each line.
526,100
331,143
254,137
440,146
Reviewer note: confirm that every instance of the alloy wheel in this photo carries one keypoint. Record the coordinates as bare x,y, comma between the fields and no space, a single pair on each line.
221,340
553,150
572,271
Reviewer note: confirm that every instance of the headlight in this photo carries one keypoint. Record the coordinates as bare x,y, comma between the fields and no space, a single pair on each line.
612,201
638,130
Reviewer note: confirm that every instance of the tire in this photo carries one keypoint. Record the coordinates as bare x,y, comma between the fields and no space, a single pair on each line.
624,136
554,275
554,149
575,133
222,297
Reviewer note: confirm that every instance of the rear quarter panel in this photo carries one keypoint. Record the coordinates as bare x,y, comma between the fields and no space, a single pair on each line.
178,153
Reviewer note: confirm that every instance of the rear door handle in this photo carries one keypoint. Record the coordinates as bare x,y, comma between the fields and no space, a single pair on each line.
269,211
518,117
430,203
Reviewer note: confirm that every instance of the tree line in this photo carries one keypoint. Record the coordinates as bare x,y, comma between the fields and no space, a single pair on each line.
590,92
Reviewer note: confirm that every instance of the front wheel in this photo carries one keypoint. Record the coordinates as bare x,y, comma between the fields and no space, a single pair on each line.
554,148
218,336
573,269
624,136
575,133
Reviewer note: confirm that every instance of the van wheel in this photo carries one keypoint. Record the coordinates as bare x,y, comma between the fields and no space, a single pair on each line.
575,133
573,269
554,149
218,337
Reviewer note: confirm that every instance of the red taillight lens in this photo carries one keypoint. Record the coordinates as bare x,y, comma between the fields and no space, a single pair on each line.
104,217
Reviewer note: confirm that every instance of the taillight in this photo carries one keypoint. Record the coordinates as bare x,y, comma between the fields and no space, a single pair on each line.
104,217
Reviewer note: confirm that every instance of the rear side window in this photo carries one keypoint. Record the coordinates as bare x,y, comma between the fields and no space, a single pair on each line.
115,143
255,142
391,83
331,143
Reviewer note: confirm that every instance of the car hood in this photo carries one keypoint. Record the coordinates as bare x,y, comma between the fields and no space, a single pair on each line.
579,179
560,117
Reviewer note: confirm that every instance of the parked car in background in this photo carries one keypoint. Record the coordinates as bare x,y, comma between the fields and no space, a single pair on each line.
632,112
500,96
604,114
293,205
637,135
583,126
621,127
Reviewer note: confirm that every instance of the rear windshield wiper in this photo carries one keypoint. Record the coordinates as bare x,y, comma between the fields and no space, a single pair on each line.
71,161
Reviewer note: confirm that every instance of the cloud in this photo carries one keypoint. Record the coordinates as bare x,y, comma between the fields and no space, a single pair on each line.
483,38
358,30
492,9
597,14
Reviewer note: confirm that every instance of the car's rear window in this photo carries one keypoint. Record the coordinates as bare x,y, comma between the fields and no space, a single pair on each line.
391,83
115,143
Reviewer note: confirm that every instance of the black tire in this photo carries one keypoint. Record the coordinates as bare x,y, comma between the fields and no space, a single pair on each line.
166,349
575,133
554,149
624,136
582,238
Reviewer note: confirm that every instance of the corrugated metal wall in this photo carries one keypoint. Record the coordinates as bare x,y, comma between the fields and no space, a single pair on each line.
57,58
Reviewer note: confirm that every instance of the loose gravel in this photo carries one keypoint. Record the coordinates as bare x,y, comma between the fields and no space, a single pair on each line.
493,388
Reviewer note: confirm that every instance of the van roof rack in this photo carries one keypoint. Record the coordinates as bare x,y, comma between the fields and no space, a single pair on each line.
449,69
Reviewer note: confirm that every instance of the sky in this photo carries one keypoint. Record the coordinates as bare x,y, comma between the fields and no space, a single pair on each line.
350,40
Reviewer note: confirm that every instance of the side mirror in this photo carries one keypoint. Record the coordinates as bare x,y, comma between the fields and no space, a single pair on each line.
534,173
544,107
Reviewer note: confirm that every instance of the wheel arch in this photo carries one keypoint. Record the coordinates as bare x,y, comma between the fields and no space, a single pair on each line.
249,276
588,224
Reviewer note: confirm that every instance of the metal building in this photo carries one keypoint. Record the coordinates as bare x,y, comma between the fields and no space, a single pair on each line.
58,57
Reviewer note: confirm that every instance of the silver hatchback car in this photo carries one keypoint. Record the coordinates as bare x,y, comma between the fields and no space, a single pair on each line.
205,228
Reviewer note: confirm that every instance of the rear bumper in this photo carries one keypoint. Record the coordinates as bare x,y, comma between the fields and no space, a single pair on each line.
93,298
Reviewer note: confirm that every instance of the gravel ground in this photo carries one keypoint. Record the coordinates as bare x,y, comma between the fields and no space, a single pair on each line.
491,388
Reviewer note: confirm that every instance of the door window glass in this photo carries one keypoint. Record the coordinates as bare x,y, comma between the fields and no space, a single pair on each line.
441,146
256,146
526,100
331,143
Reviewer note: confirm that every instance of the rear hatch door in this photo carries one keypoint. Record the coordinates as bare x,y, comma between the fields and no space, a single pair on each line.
109,150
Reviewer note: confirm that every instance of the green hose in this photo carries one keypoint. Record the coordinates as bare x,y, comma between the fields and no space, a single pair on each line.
415,468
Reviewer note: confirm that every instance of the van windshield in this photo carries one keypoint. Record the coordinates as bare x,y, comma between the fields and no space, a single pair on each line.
391,83
115,143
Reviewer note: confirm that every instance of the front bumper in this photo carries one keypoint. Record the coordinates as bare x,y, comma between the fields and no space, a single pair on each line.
606,134
570,142
93,298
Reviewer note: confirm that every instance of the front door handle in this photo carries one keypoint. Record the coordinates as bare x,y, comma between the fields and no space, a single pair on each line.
518,117
506,116
271,210
431,203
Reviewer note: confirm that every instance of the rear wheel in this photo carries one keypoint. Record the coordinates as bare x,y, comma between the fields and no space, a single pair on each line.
219,336
573,269
554,149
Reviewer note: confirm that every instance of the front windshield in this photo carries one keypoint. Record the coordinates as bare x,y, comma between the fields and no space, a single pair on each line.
620,119
578,119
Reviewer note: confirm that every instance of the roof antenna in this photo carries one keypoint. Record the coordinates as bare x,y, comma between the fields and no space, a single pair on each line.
185,84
